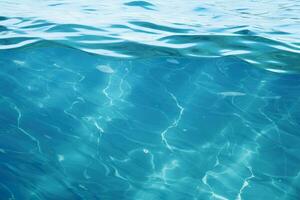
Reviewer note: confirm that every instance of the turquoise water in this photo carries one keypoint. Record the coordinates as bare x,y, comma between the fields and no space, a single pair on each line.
150,100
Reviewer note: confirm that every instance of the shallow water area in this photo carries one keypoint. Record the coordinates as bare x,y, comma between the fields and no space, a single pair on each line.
149,100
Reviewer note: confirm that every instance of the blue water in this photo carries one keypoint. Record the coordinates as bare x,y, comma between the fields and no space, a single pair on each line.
150,100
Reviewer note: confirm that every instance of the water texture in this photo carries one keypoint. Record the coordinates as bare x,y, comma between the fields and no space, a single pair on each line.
150,100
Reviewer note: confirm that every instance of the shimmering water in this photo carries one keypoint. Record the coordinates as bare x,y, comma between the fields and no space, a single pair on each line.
150,100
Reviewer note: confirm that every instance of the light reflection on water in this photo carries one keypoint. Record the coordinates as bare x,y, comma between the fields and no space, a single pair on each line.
262,32
149,100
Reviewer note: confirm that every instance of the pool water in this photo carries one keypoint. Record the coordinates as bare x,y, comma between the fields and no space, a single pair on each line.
150,100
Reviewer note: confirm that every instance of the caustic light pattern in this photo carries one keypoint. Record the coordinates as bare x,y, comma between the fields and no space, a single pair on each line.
92,127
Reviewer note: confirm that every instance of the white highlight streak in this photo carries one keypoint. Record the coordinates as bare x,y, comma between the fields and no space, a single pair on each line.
174,124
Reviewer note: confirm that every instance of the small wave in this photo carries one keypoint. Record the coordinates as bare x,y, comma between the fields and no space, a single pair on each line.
13,43
3,18
142,4
159,27
247,48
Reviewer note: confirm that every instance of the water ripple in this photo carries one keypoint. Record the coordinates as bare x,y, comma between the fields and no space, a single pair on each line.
140,99
142,4
269,39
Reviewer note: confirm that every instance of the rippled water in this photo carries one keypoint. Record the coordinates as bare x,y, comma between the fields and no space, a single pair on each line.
150,100
264,33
